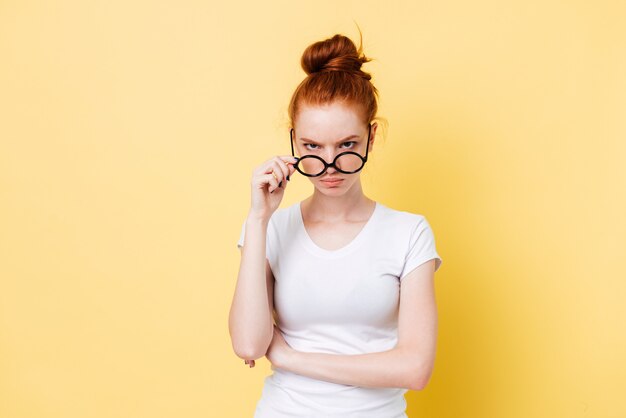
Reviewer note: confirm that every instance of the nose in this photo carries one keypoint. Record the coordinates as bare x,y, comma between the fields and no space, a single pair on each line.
330,158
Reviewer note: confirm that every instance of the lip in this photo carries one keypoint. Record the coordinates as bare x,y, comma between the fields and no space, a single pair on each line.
331,182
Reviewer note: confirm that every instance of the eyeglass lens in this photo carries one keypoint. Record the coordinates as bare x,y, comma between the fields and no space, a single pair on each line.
346,162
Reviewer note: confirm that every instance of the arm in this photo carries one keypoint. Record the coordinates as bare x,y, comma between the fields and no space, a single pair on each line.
250,320
408,365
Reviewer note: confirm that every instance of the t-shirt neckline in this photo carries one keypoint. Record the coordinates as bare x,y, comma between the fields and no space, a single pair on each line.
310,245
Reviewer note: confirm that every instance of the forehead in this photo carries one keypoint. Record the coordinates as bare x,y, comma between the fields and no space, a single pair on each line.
328,122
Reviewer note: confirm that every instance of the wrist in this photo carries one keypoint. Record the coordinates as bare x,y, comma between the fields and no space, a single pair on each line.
257,217
290,358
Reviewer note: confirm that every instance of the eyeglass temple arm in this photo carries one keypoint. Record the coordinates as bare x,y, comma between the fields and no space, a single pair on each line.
367,146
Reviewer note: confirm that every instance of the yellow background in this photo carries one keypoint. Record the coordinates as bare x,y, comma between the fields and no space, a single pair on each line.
128,134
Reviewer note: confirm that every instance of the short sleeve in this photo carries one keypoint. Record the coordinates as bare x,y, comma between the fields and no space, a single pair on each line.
241,235
421,248
268,239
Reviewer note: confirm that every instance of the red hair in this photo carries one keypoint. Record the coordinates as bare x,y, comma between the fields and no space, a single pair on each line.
333,68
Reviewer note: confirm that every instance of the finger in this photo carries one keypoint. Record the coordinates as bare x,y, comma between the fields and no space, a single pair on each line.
268,166
271,181
288,159
271,164
280,171
292,169
262,179
276,173
283,166
290,162
264,168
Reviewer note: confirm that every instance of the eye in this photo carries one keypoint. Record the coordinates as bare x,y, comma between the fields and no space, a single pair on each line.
349,142
314,145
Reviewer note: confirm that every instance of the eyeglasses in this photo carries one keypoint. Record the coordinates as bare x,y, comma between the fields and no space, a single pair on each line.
348,162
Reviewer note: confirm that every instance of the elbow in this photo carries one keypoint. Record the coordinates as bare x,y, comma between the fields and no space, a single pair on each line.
417,384
249,350
418,377
249,346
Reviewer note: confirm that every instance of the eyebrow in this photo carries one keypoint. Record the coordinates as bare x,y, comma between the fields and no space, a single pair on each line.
341,140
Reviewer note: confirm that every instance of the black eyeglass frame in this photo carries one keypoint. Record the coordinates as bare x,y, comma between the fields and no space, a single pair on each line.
326,165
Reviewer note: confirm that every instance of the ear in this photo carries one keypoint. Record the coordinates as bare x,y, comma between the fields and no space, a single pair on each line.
372,135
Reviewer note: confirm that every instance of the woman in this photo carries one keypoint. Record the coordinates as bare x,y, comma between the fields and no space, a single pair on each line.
350,280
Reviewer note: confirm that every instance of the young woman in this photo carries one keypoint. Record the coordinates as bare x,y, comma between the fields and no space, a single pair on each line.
348,281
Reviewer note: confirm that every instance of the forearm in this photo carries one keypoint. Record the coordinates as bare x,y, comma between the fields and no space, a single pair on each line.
250,320
395,368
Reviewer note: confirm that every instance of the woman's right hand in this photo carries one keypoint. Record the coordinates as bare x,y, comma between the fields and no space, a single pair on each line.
266,194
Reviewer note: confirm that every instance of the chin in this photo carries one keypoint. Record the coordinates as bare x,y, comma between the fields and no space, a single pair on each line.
331,191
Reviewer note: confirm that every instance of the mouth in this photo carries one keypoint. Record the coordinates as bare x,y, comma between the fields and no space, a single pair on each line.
332,182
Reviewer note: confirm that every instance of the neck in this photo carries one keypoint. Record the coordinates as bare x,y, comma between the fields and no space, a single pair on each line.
353,204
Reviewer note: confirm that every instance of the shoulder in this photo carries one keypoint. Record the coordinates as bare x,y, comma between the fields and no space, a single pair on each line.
282,217
401,219
281,214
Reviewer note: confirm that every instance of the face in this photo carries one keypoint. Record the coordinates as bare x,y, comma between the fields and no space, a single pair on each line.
326,131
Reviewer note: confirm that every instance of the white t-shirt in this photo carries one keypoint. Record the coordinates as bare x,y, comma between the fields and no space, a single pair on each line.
341,302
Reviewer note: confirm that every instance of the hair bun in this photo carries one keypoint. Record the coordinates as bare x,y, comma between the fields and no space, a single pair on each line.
334,54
